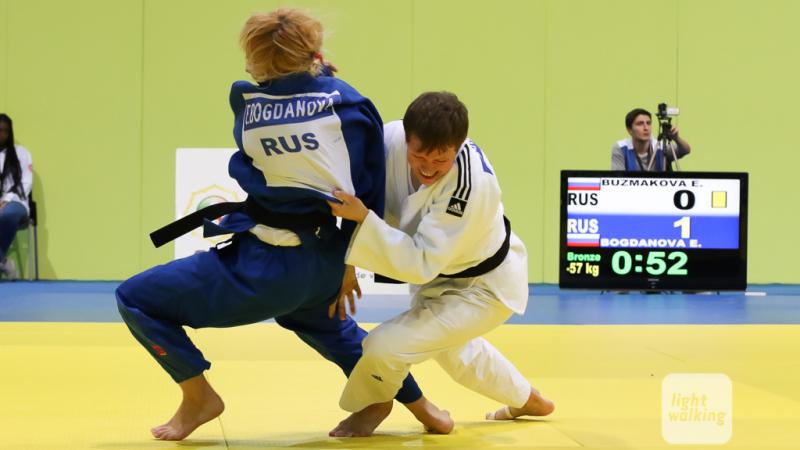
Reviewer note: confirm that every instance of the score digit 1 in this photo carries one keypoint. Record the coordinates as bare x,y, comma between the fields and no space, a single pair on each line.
686,226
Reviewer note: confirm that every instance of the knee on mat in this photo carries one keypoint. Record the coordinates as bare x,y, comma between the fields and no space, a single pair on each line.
124,303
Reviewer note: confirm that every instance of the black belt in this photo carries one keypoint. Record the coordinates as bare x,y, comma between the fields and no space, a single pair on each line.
259,214
486,266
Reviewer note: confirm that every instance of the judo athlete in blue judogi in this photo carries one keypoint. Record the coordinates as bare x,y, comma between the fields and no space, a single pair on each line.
301,134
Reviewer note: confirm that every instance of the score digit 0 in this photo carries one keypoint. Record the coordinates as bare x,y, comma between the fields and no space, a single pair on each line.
683,199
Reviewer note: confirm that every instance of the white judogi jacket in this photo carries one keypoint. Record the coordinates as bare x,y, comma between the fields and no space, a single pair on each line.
449,226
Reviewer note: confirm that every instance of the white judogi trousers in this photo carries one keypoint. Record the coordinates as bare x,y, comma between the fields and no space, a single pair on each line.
448,328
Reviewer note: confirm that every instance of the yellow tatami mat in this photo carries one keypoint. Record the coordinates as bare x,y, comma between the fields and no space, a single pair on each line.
90,386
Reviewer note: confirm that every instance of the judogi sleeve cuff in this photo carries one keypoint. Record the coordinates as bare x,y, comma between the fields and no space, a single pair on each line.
362,248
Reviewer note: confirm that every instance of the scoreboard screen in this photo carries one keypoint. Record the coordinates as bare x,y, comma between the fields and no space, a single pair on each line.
653,231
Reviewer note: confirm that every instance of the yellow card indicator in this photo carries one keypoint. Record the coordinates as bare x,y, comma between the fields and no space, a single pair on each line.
719,199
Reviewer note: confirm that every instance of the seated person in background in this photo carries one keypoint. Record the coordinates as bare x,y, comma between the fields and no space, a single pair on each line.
16,179
641,151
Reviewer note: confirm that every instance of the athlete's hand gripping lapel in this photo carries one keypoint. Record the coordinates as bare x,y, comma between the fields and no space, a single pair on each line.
350,208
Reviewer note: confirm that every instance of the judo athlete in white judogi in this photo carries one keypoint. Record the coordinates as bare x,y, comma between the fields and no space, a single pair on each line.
445,233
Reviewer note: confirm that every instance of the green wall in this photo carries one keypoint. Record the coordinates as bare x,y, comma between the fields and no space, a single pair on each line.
3,51
103,92
74,90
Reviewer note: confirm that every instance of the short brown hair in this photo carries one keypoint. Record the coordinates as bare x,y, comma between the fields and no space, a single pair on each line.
438,119
633,114
281,42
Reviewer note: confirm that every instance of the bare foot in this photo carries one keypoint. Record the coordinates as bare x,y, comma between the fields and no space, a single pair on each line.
364,422
433,419
200,404
535,406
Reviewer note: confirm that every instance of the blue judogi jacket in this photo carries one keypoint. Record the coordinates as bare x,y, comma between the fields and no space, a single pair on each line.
300,137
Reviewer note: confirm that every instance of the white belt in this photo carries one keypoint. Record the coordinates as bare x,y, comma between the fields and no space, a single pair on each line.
276,236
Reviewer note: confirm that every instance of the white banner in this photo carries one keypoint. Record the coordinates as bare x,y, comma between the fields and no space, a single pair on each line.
201,179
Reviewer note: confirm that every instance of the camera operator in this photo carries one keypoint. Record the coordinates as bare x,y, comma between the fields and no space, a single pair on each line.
643,152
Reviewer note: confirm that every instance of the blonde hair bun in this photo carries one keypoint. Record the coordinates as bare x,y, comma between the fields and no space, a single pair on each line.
281,42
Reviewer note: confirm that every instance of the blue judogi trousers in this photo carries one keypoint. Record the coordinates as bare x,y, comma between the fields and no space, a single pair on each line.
245,282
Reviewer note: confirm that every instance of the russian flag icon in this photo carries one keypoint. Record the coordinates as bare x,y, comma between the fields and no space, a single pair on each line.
583,184
583,240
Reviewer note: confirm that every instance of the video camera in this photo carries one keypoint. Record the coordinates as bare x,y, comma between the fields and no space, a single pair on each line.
665,112
665,115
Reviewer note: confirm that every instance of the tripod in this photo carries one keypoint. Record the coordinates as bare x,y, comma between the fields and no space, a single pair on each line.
664,127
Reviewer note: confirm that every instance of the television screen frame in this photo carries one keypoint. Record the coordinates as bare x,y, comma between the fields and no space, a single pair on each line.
716,269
